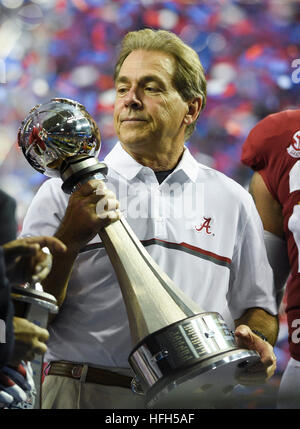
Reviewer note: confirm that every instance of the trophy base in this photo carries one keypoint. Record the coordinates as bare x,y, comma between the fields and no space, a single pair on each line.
201,386
193,363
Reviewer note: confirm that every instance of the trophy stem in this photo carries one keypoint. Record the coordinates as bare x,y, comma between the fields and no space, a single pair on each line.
151,298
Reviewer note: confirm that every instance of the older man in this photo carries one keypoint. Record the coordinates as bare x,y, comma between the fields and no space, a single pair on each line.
215,255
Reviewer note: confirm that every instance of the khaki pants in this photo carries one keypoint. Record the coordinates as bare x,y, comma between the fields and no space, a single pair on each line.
66,393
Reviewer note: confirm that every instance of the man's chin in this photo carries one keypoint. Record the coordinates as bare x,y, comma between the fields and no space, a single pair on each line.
133,141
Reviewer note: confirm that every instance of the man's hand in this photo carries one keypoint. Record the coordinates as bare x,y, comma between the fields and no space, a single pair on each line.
263,370
29,340
90,208
28,259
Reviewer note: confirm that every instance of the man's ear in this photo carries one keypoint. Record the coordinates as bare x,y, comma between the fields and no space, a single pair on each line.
194,108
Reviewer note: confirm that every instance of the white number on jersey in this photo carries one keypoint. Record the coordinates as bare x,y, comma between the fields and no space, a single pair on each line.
294,220
296,332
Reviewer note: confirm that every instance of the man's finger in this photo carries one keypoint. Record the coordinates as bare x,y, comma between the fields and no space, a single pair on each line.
41,275
19,248
243,336
91,187
53,243
25,330
42,334
39,348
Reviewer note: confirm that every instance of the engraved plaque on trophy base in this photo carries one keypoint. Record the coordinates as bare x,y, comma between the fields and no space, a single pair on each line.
193,363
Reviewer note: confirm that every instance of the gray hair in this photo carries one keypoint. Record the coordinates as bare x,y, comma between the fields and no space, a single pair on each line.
189,79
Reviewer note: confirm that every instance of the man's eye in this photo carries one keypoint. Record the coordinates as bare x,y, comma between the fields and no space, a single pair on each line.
151,89
121,90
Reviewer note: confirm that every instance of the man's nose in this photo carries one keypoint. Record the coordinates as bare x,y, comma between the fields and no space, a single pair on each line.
132,99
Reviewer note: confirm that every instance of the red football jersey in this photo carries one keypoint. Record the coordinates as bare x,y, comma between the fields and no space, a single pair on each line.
273,149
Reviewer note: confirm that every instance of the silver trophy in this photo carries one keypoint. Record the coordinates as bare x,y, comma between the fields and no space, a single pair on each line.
183,356
35,305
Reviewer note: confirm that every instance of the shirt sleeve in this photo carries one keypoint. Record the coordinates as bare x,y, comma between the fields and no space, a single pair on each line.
251,279
46,210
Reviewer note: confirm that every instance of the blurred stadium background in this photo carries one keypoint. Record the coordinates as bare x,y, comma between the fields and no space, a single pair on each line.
250,50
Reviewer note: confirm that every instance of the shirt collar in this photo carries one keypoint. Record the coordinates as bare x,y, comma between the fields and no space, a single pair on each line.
123,163
120,161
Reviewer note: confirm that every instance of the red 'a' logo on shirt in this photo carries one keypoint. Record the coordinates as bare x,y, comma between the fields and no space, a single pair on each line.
205,225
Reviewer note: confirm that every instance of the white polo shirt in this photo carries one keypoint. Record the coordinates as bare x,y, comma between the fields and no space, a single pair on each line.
201,227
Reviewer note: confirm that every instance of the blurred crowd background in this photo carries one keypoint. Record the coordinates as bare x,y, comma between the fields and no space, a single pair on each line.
67,48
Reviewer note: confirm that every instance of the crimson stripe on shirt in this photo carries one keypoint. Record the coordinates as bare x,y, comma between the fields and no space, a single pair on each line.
188,248
184,247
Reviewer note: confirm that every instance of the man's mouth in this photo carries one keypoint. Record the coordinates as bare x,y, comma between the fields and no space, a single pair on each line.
133,120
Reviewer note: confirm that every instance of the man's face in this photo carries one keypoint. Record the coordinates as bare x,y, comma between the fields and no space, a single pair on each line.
149,112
